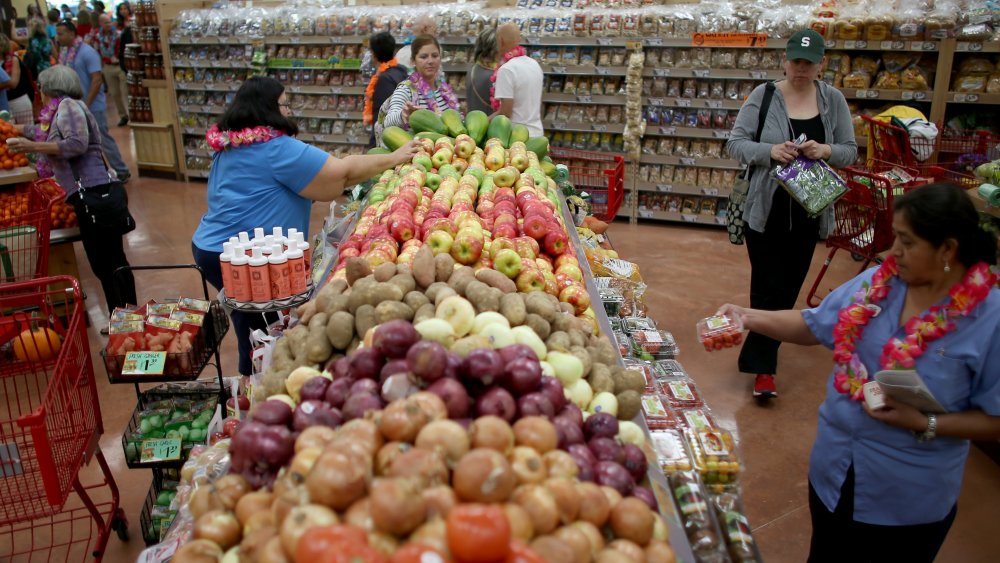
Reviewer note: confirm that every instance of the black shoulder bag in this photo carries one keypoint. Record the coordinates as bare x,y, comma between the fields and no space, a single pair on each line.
738,198
101,209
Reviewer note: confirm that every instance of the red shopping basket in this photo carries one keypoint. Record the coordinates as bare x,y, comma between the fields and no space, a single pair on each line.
599,174
862,220
50,422
890,143
25,220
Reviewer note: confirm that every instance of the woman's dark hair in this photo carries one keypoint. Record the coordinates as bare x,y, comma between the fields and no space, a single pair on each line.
118,10
941,211
420,42
256,104
99,6
486,46
54,15
383,46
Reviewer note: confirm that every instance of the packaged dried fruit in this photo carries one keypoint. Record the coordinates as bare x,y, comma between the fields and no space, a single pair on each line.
720,331
696,513
658,416
735,527
671,452
714,455
681,393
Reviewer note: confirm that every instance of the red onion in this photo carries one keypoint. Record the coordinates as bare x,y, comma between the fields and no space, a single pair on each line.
336,392
497,401
454,395
393,338
635,461
568,433
485,365
646,495
514,351
364,386
359,403
553,389
582,451
601,425
397,386
365,363
572,412
611,474
314,389
428,360
536,404
315,413
524,375
606,449
272,412
585,468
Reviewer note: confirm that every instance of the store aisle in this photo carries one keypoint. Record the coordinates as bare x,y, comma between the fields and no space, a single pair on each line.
695,271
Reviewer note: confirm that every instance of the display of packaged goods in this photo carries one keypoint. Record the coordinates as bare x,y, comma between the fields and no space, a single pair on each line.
658,415
735,527
714,454
612,300
667,369
637,324
659,344
720,331
696,418
671,451
681,393
696,511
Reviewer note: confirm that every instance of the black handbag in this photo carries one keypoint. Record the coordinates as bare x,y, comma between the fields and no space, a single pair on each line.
737,199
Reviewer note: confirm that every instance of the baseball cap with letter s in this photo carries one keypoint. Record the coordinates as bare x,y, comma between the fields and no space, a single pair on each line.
807,45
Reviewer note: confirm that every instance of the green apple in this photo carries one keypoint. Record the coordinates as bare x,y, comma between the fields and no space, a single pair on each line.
441,157
424,161
568,368
527,336
508,262
433,181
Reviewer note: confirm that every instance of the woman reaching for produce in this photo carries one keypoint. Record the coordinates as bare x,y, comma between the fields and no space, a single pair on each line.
781,236
883,483
425,88
263,177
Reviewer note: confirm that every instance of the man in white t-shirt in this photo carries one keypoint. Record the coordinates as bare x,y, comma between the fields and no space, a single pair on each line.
518,87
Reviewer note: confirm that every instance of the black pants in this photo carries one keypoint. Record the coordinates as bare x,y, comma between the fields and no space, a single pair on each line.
836,537
106,253
243,323
779,261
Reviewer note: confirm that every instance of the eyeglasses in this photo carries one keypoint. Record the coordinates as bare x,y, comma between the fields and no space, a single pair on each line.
285,105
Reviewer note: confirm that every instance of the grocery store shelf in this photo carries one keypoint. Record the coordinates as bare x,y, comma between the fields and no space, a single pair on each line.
589,70
972,98
243,65
209,87
692,103
203,153
889,45
594,127
342,90
198,174
584,99
693,132
17,175
307,64
346,139
154,83
349,115
894,95
194,131
977,47
210,40
678,188
732,73
690,161
673,216
207,109
315,40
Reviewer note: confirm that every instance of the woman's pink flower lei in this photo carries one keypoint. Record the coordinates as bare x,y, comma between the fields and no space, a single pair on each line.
850,373
223,140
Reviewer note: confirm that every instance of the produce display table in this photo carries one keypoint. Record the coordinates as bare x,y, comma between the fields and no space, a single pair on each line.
62,255
982,205
17,175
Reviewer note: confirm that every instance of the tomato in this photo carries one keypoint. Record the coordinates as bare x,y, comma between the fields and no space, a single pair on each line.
319,539
417,553
478,533
351,552
521,553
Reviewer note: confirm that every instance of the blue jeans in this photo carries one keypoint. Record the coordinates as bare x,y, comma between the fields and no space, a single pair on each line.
109,145
243,323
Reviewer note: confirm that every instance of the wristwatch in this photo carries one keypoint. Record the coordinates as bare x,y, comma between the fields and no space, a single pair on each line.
931,432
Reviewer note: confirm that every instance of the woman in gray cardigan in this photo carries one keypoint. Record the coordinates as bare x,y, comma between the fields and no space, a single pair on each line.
781,237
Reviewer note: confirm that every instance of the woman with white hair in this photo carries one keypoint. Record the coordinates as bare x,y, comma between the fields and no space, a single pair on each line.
68,136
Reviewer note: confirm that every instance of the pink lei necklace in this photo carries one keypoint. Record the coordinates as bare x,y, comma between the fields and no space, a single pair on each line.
68,54
223,140
427,94
512,54
45,118
850,373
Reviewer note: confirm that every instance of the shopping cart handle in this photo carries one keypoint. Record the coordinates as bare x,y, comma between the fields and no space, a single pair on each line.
34,419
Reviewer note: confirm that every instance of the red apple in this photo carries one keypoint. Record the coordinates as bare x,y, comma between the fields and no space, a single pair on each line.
567,258
570,270
535,227
577,296
555,243
530,280
401,228
531,243
467,248
563,281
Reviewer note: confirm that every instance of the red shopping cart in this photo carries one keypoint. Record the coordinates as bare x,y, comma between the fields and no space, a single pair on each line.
600,174
50,422
890,143
25,220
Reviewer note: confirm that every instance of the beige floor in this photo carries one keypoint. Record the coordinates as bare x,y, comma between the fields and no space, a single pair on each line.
691,271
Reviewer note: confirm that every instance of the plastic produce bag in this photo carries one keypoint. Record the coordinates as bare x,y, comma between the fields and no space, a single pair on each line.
812,183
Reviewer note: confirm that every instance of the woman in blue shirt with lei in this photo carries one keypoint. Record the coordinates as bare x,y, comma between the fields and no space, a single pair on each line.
883,484
262,176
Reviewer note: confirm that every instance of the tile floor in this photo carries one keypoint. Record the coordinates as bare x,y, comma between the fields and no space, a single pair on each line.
691,271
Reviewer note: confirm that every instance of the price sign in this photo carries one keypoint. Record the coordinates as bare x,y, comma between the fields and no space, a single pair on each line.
758,74
966,98
831,44
656,102
343,115
336,90
295,40
600,127
660,72
701,72
664,188
860,44
689,218
906,95
683,102
720,220
668,130
558,125
295,89
161,449
654,42
207,109
529,40
720,133
646,214
320,138
190,131
870,94
605,41
850,44
919,95
710,191
559,70
927,46
602,71
714,104
144,363
969,47
353,139
584,99
688,161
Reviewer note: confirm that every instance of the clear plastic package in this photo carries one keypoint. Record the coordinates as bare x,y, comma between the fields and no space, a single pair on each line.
714,455
720,331
671,451
681,393
658,415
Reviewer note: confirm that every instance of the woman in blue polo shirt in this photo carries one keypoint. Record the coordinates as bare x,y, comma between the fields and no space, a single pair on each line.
883,484
263,177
